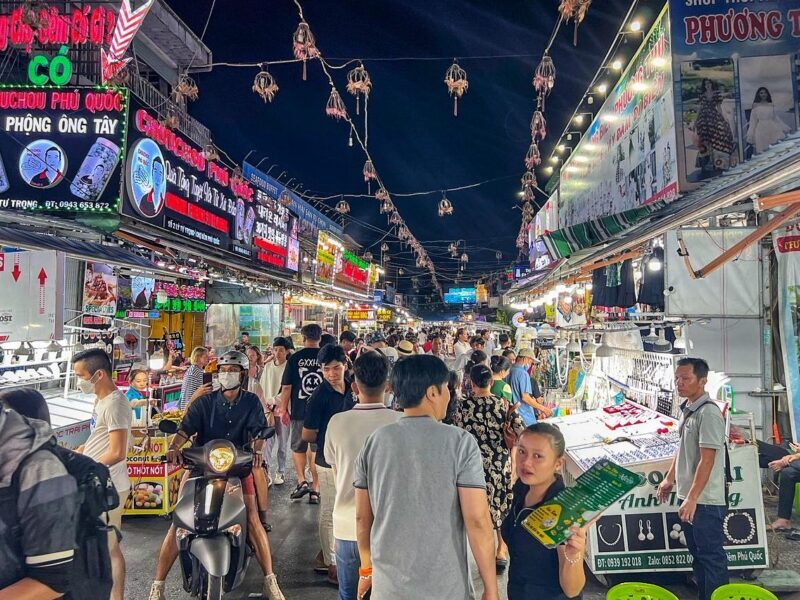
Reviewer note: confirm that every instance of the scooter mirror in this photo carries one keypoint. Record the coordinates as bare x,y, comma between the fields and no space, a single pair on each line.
167,426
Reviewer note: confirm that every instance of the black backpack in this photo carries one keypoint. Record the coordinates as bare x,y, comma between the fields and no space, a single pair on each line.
91,564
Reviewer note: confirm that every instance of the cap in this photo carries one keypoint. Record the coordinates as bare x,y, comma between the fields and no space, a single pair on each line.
405,348
527,353
376,337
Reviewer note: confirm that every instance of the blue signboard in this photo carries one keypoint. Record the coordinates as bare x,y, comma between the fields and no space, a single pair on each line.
310,220
735,72
460,296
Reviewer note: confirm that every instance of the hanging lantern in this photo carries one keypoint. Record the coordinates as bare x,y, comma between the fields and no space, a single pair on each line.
387,259
382,195
264,85
304,45
367,256
527,210
120,78
395,219
369,171
335,107
285,199
185,88
403,233
170,120
445,206
400,272
533,157
420,263
210,152
498,255
464,258
237,177
527,194
387,207
538,126
456,80
34,18
384,247
520,241
528,180
342,207
359,84
574,9
545,77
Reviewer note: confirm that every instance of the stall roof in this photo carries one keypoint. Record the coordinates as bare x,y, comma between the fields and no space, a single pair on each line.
776,170
75,248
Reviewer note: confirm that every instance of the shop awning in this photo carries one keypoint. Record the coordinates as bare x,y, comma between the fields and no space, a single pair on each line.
776,170
75,248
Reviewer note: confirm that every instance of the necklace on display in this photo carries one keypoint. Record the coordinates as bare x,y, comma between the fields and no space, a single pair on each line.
751,533
616,539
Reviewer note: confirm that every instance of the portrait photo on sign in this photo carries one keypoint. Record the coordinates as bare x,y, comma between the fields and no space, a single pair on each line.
100,289
709,118
768,101
96,170
146,178
42,164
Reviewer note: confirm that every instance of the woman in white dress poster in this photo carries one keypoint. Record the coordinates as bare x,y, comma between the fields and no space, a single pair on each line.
764,128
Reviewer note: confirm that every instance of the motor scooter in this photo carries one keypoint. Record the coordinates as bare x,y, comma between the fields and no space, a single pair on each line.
210,517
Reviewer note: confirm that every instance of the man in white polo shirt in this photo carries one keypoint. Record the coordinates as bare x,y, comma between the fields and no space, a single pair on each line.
347,432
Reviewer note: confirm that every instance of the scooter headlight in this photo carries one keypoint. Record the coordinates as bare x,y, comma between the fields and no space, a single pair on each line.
221,457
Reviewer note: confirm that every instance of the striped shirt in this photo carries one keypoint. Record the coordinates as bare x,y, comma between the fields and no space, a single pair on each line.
192,379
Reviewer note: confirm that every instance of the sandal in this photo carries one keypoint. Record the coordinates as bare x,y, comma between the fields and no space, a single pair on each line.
313,497
794,536
779,529
301,490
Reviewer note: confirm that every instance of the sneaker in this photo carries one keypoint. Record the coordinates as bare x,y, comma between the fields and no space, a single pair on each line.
271,589
301,490
157,591
279,479
269,481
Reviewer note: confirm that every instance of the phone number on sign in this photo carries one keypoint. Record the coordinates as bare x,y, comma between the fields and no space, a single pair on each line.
70,205
618,563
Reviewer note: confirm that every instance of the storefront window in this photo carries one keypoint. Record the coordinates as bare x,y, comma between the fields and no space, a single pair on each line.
225,322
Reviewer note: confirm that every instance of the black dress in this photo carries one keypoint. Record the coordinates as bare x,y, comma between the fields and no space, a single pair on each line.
533,570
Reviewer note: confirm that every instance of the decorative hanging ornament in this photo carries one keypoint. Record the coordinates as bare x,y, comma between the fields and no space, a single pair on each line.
33,16
185,88
359,84
464,258
170,120
456,80
384,247
527,210
528,180
574,9
545,77
335,107
498,255
382,195
210,152
369,173
304,45
533,157
453,249
387,207
342,207
285,199
527,194
367,256
445,206
395,219
264,85
538,126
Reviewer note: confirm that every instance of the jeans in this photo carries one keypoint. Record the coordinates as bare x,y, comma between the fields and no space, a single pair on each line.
327,494
347,564
789,477
705,538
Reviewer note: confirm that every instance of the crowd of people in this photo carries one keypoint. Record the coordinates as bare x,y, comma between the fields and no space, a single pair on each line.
377,426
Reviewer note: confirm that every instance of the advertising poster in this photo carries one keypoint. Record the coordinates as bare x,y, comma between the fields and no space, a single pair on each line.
61,148
787,252
460,296
310,220
351,272
32,306
627,157
100,289
735,81
328,250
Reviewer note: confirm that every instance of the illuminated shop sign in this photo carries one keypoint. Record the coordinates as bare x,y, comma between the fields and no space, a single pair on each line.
60,149
357,314
73,27
174,297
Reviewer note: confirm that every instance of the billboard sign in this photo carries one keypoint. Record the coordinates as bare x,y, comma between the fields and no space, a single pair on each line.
735,72
328,248
627,157
61,148
460,296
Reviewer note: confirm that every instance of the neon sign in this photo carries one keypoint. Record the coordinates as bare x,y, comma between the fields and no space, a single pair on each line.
76,27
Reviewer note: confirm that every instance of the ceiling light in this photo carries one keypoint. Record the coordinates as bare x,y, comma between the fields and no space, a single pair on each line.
617,65
602,88
561,147
578,119
654,264
636,26
651,337
548,170
554,159
590,100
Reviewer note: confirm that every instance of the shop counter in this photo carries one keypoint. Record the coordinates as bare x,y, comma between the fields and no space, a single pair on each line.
154,482
637,533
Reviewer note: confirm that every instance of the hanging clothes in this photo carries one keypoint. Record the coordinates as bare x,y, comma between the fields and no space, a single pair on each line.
651,290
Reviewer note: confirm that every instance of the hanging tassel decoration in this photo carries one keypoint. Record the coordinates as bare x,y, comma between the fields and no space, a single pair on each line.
304,45
545,77
359,84
456,80
533,158
538,126
335,107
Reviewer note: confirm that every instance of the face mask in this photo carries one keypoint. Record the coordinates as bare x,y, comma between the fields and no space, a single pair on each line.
229,381
86,386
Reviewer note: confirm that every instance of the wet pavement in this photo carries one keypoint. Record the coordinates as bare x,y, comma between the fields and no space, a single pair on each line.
295,542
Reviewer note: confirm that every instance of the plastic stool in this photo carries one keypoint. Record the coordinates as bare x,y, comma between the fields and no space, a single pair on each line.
742,591
639,591
797,498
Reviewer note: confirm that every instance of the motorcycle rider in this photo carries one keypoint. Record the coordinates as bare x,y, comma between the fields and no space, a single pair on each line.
236,415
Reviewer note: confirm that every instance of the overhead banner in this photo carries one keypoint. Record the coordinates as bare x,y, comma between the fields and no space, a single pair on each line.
627,157
32,307
310,220
735,72
169,184
787,251
61,148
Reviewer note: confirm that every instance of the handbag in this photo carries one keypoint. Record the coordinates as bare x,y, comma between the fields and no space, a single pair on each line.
509,435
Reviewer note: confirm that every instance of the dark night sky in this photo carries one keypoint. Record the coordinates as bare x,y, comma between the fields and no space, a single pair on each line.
415,141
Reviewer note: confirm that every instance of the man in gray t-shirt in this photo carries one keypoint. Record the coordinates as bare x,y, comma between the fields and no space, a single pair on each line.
420,491
699,470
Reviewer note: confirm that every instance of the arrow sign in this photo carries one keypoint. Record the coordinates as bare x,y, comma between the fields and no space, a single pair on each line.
42,278
16,272
128,23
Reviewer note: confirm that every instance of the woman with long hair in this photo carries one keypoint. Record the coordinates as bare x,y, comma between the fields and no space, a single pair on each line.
477,357
764,127
712,132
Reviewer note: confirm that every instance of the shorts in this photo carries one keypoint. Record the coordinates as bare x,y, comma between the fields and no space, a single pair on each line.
296,442
114,519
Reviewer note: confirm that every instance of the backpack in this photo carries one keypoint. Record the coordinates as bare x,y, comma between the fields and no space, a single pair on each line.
91,564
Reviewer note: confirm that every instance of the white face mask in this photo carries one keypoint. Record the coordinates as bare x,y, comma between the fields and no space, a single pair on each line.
229,381
86,386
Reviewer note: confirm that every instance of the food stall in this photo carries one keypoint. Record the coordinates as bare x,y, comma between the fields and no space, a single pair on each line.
636,427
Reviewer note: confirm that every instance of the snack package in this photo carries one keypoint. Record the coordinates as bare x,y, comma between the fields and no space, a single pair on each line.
594,491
